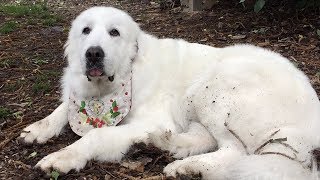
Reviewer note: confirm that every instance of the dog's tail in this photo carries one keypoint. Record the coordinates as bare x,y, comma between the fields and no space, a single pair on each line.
270,167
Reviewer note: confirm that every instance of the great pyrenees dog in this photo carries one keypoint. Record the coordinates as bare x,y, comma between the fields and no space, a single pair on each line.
239,112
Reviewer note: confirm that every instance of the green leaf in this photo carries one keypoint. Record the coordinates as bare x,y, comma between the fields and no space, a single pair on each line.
115,114
259,5
55,174
111,111
83,104
318,32
114,104
32,154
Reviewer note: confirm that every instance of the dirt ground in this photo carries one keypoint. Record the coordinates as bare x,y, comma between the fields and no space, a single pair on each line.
31,64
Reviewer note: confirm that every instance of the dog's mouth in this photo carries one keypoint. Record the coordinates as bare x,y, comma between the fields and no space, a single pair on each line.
96,72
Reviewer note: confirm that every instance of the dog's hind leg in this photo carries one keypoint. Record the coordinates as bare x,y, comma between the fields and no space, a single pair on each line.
206,164
195,140
50,126
232,165
268,167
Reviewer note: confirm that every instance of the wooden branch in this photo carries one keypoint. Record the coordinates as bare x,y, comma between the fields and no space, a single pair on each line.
238,137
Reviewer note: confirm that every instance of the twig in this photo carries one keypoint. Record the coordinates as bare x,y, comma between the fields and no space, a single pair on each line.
236,135
102,169
288,146
274,133
257,151
18,125
8,139
279,140
23,165
281,154
241,24
154,163
154,177
127,176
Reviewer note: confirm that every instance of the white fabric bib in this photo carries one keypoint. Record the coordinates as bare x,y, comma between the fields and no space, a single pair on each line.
97,112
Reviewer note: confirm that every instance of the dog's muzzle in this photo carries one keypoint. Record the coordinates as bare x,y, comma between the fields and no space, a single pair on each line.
95,67
94,56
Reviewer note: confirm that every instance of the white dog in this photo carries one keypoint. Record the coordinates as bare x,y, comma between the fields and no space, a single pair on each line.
239,112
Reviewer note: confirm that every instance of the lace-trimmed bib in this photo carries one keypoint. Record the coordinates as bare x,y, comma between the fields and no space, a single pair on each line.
98,112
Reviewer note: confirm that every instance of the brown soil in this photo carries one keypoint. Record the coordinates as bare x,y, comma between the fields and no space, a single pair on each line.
292,34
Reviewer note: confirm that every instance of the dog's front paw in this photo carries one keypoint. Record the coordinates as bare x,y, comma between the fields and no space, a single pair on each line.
181,168
39,131
63,161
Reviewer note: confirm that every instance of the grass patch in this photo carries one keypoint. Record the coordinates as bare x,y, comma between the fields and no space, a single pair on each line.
14,86
51,20
8,27
38,10
41,87
6,63
42,84
4,112
18,10
40,61
53,73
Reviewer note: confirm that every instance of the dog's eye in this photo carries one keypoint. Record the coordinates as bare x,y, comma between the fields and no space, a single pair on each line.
114,32
86,30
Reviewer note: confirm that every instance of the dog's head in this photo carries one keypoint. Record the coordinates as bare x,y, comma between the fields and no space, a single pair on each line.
102,42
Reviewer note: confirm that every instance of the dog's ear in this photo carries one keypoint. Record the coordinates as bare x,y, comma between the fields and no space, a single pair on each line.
137,50
70,47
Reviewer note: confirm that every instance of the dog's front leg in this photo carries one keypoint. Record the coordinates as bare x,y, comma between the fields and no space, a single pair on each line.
104,144
43,130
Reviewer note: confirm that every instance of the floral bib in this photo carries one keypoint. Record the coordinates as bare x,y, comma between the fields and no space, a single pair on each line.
98,112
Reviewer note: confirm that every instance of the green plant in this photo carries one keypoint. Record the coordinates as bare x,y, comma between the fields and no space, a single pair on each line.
38,10
307,3
4,112
42,84
54,175
13,86
300,4
39,87
18,115
259,4
53,73
51,20
5,63
8,27
32,155
40,61
23,10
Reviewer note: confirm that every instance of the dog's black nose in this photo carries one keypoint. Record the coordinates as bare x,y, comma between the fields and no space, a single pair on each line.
95,53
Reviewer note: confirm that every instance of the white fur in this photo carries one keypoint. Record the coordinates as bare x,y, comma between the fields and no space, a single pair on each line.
189,99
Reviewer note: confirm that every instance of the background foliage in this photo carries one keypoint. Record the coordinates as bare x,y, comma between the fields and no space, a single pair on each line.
298,4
